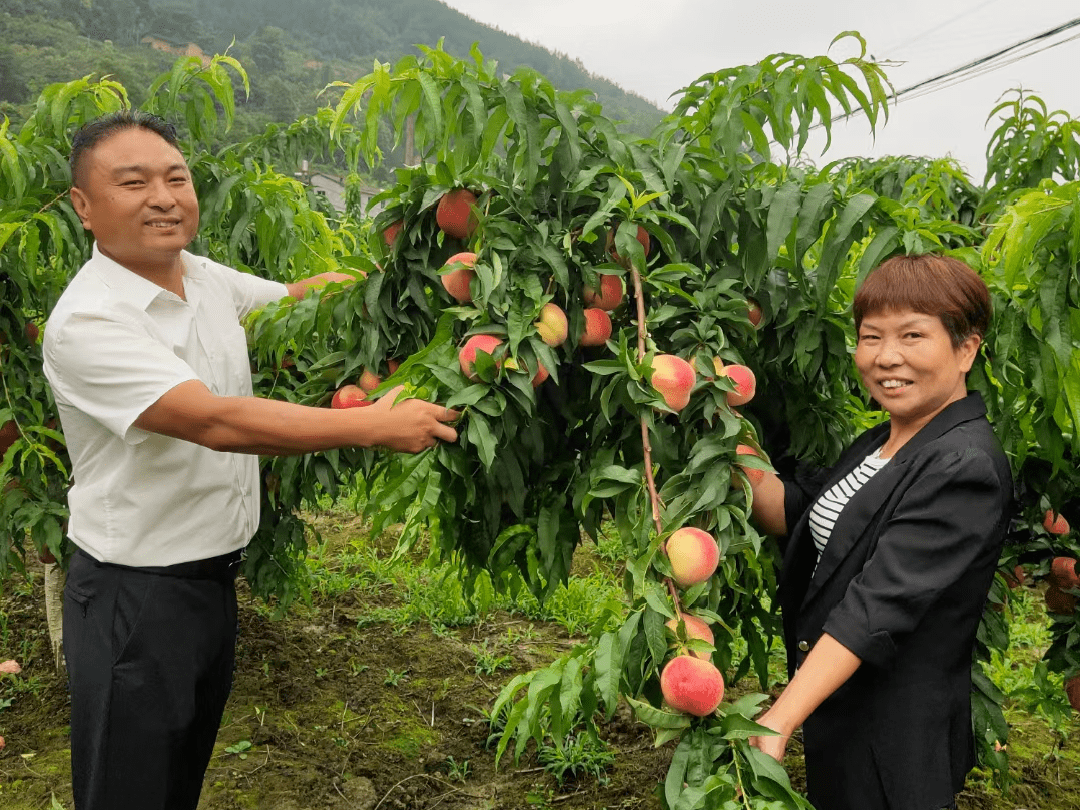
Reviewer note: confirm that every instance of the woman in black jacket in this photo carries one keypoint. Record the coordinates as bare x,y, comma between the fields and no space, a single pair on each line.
889,555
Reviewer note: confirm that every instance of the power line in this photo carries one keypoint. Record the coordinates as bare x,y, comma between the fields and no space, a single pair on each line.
935,28
985,60
991,68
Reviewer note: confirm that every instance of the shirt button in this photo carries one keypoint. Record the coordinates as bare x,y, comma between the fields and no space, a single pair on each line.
804,646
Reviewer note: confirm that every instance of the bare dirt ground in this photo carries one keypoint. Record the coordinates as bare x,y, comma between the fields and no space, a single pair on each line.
331,710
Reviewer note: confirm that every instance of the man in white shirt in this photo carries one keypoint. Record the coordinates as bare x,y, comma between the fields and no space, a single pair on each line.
149,367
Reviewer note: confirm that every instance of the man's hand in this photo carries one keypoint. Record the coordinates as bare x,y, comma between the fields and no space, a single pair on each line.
298,289
413,424
773,746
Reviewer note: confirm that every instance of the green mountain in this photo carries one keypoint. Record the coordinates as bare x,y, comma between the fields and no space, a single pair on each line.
290,48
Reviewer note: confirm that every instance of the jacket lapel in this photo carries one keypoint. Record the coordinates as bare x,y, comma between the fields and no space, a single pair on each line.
851,525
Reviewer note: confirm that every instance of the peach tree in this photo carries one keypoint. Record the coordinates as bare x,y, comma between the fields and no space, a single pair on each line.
736,223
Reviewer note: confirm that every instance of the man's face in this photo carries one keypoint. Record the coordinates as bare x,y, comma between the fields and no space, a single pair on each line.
136,196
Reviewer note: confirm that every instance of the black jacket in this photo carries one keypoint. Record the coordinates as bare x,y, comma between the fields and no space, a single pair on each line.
901,583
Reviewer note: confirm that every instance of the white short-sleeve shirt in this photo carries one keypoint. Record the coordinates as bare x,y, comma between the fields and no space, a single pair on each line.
114,344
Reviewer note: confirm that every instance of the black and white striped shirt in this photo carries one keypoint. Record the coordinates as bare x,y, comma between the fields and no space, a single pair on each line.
827,508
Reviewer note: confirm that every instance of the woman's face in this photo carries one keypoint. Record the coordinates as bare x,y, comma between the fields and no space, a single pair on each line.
908,364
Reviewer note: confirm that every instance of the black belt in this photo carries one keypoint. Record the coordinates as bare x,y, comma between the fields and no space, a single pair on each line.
223,567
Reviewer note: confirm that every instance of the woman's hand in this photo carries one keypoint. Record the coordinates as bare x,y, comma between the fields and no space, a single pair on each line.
773,746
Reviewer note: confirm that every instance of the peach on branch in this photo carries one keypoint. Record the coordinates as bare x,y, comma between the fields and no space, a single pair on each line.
693,555
455,215
9,432
695,629
456,275
753,473
745,384
642,236
1059,602
1063,573
674,378
393,230
393,364
717,364
350,396
597,329
552,325
467,353
610,295
1072,690
1055,523
753,312
692,685
369,381
1016,578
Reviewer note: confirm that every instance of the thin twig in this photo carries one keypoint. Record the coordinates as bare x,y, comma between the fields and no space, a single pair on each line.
654,498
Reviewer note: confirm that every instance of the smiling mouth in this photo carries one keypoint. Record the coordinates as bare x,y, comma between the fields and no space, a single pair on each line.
163,224
895,385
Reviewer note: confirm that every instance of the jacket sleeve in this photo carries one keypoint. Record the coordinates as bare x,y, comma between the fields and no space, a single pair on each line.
800,490
942,525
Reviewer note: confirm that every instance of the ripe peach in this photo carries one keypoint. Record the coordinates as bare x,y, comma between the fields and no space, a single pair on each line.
1063,573
1057,601
673,377
610,295
467,353
695,628
745,384
10,667
541,375
393,230
717,364
369,381
693,554
393,365
597,328
456,275
32,332
1072,689
755,475
753,312
1055,523
350,396
9,432
642,237
455,215
552,326
691,685
1016,578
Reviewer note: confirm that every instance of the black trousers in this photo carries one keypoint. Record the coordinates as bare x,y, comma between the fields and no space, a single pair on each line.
150,656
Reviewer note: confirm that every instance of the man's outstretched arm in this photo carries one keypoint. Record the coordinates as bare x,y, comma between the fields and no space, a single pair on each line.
190,411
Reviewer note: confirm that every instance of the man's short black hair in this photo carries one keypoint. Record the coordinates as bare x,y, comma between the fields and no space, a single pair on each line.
94,132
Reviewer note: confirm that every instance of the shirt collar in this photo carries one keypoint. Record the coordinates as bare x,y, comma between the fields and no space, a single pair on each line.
131,287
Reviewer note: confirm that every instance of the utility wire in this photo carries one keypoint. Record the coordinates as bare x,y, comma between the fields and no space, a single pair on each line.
990,68
985,60
939,26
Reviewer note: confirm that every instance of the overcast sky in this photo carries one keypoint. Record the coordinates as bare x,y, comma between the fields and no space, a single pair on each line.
654,48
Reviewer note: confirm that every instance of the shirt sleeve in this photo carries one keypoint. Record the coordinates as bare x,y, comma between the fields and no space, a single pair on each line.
110,370
251,292
939,530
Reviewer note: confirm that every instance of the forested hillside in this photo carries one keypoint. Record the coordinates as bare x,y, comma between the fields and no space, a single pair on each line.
292,48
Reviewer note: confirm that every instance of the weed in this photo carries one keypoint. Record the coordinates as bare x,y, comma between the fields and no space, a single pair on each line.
394,678
240,749
578,755
458,771
488,662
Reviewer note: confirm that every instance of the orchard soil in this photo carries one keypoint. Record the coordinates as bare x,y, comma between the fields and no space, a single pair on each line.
331,711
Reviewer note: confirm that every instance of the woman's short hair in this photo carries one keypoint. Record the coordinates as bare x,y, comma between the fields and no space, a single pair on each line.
103,128
931,284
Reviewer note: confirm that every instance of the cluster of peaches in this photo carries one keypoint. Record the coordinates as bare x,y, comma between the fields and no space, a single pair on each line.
689,681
